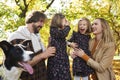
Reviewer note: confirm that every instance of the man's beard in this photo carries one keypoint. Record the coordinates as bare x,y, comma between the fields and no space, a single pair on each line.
36,29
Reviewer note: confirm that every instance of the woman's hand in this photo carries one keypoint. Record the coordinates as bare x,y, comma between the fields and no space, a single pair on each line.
79,52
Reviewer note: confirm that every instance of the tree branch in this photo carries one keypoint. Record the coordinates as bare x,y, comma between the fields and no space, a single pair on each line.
23,8
18,4
48,6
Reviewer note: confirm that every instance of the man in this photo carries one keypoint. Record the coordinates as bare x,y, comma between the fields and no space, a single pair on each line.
29,35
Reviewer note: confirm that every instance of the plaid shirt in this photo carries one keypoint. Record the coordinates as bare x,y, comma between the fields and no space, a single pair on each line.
39,68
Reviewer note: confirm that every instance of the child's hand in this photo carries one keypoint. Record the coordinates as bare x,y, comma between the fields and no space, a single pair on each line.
73,55
73,45
67,23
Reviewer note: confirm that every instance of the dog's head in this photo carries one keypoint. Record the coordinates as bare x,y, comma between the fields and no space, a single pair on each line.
16,56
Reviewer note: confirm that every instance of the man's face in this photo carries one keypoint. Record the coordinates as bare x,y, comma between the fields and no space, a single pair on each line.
37,26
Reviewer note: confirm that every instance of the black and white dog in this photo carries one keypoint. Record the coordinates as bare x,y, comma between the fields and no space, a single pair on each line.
15,62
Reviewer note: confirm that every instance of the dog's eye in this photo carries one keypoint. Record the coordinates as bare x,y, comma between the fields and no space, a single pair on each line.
18,50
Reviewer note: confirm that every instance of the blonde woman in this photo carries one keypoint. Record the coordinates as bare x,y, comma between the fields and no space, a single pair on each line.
102,48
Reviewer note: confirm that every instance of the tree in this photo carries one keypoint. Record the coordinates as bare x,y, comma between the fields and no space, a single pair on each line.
12,17
108,9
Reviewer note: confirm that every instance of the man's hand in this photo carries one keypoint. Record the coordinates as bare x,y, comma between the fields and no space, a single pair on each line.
50,51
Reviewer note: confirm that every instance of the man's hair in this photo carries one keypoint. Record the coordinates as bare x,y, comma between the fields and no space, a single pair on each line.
57,20
35,16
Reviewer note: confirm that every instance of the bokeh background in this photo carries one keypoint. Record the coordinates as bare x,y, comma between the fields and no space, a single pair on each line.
13,12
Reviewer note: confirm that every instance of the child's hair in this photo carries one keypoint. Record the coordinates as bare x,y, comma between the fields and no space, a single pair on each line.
57,20
88,25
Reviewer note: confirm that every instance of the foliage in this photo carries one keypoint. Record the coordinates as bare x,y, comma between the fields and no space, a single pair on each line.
14,16
108,9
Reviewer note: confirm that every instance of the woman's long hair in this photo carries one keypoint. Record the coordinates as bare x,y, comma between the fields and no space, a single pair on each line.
107,35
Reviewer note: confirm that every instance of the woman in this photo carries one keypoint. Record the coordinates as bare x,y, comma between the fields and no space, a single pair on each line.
102,48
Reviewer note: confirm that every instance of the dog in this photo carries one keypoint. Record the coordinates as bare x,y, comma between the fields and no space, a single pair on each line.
15,61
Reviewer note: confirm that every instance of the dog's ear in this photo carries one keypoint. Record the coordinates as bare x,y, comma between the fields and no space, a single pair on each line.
5,46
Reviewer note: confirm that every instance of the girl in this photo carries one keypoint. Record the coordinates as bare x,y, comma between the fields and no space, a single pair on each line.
80,39
102,48
58,66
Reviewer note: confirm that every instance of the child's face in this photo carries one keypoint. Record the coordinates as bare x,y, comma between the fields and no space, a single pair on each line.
63,22
82,26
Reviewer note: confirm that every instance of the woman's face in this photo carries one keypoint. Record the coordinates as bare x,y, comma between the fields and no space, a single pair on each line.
97,27
83,26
